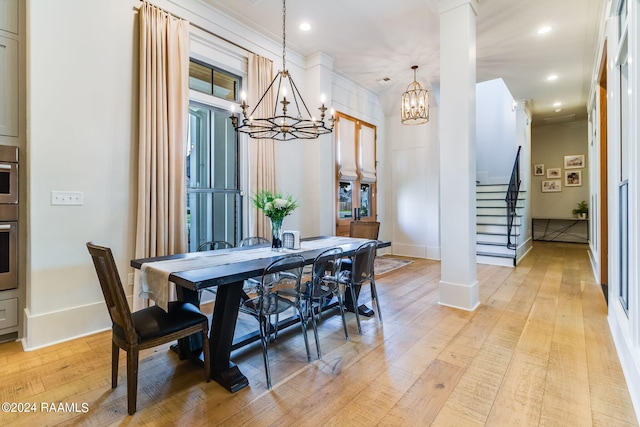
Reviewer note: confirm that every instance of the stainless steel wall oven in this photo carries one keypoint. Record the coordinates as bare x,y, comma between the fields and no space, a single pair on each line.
8,217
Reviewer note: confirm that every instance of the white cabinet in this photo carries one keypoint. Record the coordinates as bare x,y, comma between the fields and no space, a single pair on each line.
9,16
8,86
8,313
9,68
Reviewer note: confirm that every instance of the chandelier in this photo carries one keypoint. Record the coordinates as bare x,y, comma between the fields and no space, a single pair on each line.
414,108
282,125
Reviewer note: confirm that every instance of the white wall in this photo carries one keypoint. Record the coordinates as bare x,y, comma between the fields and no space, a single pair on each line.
523,139
81,109
549,146
415,187
495,132
82,104
625,324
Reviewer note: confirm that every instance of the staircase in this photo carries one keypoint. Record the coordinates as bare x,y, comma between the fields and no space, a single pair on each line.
491,225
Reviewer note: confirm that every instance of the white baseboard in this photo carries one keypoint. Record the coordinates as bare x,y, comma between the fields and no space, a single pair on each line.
464,297
523,249
595,265
629,360
46,329
416,251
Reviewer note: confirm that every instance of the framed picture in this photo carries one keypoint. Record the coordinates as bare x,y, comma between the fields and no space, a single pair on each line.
551,186
574,161
572,178
538,169
554,173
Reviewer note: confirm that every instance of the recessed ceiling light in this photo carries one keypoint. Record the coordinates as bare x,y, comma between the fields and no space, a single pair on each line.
305,26
543,30
552,77
557,104
557,110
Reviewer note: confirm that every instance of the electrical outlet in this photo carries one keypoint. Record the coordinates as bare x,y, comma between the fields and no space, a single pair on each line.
68,198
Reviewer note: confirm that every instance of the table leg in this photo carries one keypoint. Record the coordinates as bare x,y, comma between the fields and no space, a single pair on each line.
225,314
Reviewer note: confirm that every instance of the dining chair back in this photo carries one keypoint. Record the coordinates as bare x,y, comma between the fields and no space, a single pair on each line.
364,229
214,245
322,287
277,292
253,241
142,329
361,272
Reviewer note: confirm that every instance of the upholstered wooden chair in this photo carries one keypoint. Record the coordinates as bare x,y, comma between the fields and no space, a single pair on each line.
364,229
145,328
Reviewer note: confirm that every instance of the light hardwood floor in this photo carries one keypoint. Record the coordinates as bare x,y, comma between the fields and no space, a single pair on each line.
537,352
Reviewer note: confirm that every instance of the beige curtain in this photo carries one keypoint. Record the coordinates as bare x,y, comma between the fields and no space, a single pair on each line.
163,118
262,157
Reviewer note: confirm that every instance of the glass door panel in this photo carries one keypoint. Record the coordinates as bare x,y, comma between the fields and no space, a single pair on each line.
213,197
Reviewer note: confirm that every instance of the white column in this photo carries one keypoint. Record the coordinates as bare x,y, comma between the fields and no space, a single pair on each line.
320,152
458,284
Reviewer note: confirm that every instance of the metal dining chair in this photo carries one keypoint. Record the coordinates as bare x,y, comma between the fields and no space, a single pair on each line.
253,241
362,230
361,271
214,245
277,292
324,284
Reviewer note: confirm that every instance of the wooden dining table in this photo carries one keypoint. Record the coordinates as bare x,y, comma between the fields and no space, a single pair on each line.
227,272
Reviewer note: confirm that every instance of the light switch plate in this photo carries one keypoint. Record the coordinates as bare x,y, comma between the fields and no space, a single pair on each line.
67,198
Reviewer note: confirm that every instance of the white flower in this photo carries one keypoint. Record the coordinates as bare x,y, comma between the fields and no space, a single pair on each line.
281,203
268,206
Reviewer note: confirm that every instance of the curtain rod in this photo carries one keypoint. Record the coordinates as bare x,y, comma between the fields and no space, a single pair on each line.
221,38
197,26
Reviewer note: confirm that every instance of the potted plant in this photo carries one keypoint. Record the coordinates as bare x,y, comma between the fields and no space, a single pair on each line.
581,210
275,206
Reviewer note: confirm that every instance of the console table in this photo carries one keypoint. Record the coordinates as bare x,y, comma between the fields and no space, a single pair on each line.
573,230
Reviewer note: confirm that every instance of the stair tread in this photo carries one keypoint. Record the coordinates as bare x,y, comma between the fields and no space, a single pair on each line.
497,224
498,215
502,244
496,255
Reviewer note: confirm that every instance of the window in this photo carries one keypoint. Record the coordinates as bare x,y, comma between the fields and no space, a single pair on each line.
213,81
213,191
623,12
356,171
213,198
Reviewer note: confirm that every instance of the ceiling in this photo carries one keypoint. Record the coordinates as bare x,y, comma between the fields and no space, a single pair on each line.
371,40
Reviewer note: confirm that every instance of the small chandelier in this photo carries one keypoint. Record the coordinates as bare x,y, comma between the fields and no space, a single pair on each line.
282,126
414,108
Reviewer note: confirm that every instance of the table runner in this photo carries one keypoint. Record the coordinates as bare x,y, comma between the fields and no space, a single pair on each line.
154,276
